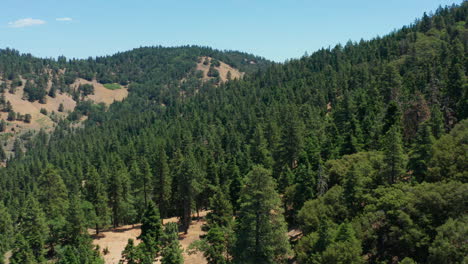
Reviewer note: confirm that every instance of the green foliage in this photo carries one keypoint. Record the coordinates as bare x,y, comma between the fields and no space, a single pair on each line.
330,246
215,245
33,232
36,91
394,157
172,251
449,158
450,245
421,152
112,86
261,229
151,230
162,182
329,206
86,89
22,252
6,231
96,194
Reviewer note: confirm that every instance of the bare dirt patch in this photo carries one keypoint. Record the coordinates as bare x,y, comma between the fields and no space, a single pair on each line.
101,93
115,240
223,70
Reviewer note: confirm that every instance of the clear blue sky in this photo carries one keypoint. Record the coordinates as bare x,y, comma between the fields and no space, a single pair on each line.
275,29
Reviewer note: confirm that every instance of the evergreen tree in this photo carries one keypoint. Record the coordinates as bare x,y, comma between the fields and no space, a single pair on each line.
221,210
172,252
3,155
259,149
189,186
216,244
449,245
2,125
22,252
130,255
119,195
33,228
261,228
421,152
437,122
145,181
77,245
6,231
392,117
151,230
162,182
97,195
292,141
394,156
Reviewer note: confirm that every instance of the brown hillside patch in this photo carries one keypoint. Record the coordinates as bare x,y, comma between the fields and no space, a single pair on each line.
223,70
101,93
115,240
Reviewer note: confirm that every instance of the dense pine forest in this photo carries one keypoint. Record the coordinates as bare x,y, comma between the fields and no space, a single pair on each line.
360,151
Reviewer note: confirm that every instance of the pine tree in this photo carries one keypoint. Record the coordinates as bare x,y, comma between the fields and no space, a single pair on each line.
261,228
346,248
2,125
151,230
33,227
119,193
292,141
437,122
391,83
421,152
52,194
22,253
77,245
189,186
221,210
6,231
392,117
162,182
172,252
216,244
130,255
76,223
97,195
3,155
145,181
259,149
394,156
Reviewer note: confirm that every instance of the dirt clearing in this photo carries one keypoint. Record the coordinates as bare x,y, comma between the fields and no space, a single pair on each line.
101,93
223,70
115,240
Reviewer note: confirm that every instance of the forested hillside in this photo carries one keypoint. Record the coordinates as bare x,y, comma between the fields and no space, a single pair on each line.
360,150
39,93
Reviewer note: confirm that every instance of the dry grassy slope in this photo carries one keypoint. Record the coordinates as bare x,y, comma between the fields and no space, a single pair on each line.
115,240
101,93
223,70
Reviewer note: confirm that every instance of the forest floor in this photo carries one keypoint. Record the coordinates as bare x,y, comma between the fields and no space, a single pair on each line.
116,239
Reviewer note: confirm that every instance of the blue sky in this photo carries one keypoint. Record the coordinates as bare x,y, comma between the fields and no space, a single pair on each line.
275,29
